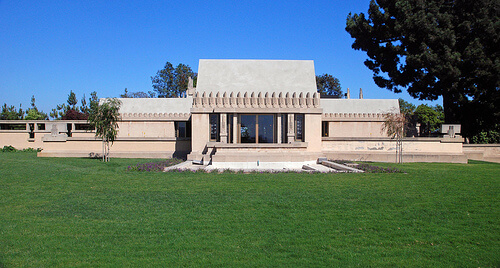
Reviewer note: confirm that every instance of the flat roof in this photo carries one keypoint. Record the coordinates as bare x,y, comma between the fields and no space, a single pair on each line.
156,105
256,76
369,106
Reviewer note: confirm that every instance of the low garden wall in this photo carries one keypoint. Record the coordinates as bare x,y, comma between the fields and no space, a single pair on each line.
384,149
483,152
77,139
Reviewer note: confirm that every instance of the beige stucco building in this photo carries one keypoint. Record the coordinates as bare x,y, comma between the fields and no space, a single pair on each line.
242,111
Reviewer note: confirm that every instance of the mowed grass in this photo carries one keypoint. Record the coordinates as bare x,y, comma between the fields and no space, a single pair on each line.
81,212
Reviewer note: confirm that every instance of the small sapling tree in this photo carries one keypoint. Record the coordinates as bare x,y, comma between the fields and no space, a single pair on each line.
104,118
394,126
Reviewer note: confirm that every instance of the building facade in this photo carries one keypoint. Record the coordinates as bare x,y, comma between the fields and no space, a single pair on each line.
242,111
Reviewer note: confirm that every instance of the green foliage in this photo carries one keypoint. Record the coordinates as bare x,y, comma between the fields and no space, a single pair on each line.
67,212
71,111
171,82
485,137
138,94
11,149
72,100
10,113
104,118
406,108
327,85
430,118
33,113
436,48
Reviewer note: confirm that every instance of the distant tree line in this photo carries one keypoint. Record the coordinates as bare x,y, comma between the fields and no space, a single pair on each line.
65,111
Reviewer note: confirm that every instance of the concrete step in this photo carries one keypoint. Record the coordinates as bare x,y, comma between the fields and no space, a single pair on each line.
339,167
318,168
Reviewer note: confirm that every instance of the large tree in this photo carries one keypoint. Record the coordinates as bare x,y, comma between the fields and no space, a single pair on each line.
436,48
172,82
327,85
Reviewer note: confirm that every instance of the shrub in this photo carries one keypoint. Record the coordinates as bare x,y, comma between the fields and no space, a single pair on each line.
10,148
485,137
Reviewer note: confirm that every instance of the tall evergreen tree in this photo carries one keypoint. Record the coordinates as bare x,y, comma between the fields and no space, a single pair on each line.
436,48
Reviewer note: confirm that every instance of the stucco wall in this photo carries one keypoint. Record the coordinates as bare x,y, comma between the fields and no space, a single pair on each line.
312,132
146,129
355,129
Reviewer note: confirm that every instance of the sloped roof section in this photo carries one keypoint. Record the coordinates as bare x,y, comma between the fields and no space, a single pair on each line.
360,106
256,76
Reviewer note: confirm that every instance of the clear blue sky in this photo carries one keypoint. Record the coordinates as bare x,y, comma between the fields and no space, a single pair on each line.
48,48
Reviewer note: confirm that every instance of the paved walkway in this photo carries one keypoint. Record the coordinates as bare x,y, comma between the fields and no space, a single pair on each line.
253,166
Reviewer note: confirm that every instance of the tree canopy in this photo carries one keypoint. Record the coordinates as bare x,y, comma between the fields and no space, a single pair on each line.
436,48
328,85
11,113
33,113
430,118
171,82
71,111
138,94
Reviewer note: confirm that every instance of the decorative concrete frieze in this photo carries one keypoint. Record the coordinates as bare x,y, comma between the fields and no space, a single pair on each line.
353,117
316,100
225,100
256,100
154,116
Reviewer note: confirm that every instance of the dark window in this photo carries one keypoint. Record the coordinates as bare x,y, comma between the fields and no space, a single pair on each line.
41,126
83,127
32,130
248,129
70,134
183,129
284,128
13,126
266,128
214,127
230,128
324,129
299,127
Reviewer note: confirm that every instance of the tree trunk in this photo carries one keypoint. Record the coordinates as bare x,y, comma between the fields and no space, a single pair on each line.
107,151
103,151
450,107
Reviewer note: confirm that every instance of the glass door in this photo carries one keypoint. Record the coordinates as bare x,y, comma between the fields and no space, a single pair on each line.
257,128
266,128
248,131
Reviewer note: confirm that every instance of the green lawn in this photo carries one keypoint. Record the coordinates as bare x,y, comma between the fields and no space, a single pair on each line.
82,212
